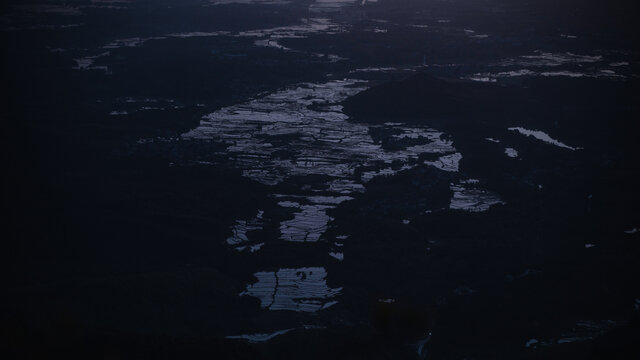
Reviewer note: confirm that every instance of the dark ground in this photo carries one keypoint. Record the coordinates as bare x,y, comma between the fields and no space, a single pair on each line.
110,253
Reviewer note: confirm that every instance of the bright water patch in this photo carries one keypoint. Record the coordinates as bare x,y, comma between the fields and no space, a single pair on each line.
330,6
305,123
540,135
301,290
547,64
494,76
311,220
269,37
511,152
449,163
258,338
541,58
264,37
302,131
466,196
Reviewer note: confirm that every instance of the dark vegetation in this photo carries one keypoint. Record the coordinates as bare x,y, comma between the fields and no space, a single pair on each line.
109,252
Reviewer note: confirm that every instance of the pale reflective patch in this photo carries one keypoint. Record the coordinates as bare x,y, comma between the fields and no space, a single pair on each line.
468,197
511,152
541,135
301,290
258,338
